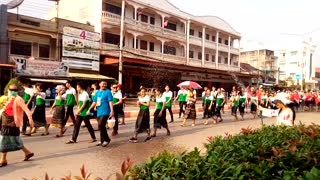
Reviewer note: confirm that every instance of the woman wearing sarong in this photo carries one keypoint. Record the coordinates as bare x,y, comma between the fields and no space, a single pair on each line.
254,103
220,103
242,104
235,105
160,114
39,113
143,119
58,108
190,112
11,120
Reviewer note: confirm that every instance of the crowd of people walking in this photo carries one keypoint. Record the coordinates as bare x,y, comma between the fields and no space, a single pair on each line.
104,105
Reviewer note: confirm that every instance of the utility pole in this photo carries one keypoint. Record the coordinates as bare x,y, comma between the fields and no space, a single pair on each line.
57,29
121,42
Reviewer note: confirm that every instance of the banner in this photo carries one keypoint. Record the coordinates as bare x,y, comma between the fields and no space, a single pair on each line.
270,112
39,68
80,43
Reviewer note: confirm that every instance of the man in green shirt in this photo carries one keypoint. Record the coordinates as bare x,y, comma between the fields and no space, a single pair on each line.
117,105
182,98
71,98
27,97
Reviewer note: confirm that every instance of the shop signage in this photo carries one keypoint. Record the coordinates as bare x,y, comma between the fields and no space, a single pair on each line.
80,44
205,77
40,68
83,64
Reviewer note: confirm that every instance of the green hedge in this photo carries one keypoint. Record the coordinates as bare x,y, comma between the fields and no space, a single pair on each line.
271,152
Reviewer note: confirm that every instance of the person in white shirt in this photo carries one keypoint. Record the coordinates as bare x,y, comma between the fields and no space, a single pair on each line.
168,96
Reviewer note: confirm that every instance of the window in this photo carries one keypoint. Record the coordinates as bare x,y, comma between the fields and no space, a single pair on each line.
219,59
152,21
112,38
143,45
44,51
113,9
200,34
226,42
226,60
220,40
207,36
144,18
151,46
191,32
169,50
21,48
213,38
171,26
207,57
213,58
191,54
199,55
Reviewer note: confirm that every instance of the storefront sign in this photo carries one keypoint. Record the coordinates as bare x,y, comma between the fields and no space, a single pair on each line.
40,68
83,64
80,43
205,77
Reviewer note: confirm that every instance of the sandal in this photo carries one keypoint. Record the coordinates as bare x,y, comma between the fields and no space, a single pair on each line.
45,134
5,163
28,156
168,133
70,142
93,140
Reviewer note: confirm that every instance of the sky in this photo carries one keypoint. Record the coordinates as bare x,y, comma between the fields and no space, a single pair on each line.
271,24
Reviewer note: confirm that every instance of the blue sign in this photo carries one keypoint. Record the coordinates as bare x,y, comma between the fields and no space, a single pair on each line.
298,76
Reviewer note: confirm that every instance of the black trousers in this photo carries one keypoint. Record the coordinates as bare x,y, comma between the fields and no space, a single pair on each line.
26,120
78,125
103,130
170,111
182,106
70,113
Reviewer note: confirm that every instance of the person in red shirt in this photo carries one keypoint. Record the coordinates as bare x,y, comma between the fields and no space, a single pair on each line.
317,102
308,99
295,98
313,100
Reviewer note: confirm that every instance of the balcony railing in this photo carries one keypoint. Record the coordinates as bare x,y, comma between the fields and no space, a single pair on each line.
110,18
223,47
195,40
234,51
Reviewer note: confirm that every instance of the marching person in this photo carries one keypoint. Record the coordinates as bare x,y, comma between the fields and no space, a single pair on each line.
220,103
103,103
242,104
143,119
59,112
12,119
27,97
235,104
182,98
121,113
71,97
190,112
117,106
39,113
169,96
83,106
208,98
160,114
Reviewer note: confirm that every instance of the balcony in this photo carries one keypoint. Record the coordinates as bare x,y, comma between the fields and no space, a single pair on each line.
223,47
234,51
115,19
195,62
210,44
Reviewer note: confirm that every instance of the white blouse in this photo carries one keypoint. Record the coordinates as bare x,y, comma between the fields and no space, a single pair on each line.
285,117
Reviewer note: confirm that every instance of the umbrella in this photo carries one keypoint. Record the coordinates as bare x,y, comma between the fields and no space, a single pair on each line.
186,84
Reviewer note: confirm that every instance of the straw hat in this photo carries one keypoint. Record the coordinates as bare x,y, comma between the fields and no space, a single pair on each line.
283,97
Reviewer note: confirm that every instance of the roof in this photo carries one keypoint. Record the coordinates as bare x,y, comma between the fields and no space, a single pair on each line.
212,21
247,67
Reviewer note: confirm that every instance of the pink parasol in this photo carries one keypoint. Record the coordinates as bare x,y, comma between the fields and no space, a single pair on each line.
187,84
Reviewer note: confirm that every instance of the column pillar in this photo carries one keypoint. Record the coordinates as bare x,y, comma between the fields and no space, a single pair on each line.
162,46
239,53
217,48
229,51
188,40
135,14
162,24
203,44
135,41
121,42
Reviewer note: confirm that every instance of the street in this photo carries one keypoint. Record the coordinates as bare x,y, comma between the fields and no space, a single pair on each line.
58,159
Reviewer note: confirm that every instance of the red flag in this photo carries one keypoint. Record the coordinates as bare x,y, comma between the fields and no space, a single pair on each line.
165,23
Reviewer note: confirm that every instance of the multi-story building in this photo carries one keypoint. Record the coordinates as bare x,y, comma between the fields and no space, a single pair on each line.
161,44
298,64
265,61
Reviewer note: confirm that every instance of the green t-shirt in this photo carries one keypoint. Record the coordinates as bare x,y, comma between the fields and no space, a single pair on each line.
144,99
182,96
159,102
71,97
242,99
60,101
236,103
84,98
28,93
168,95
116,97
220,99
208,99
40,99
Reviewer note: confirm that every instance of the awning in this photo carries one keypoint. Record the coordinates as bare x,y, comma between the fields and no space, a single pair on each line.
89,76
58,81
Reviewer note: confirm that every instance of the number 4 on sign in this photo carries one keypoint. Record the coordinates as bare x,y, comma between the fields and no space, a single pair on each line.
83,35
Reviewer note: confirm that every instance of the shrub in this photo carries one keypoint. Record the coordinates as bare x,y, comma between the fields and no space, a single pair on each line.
272,152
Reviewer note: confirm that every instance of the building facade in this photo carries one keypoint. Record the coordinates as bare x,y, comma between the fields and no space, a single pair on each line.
265,61
161,44
298,64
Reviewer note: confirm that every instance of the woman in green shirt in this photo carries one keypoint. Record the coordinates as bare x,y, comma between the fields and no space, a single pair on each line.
160,114
58,108
235,104
242,104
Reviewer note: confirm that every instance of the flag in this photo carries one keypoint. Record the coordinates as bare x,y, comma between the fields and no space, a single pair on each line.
165,23
139,12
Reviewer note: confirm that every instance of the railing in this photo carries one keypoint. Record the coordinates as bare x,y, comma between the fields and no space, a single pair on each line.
106,46
211,65
110,17
223,47
210,44
234,51
12,57
195,40
195,62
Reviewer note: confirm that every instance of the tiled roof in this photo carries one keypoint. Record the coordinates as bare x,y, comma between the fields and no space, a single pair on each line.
212,21
247,67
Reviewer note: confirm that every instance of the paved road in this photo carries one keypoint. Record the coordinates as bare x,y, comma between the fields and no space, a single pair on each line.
56,158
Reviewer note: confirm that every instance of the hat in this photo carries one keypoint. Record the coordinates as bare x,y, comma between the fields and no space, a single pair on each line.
283,97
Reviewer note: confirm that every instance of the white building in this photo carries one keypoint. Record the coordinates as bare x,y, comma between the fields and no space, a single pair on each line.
155,31
299,63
